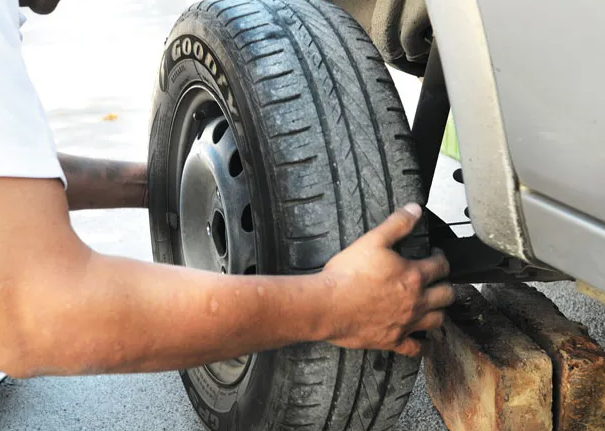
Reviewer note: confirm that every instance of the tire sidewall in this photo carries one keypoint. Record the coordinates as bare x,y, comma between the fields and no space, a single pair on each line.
184,65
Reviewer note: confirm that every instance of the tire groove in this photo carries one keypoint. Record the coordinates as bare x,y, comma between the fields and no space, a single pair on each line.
303,406
307,238
265,55
407,394
302,201
374,58
387,379
245,30
387,81
262,39
363,39
308,360
210,4
291,133
228,8
305,384
282,100
235,18
305,161
295,426
274,76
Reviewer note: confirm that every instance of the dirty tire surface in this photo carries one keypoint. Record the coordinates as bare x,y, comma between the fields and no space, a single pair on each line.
327,152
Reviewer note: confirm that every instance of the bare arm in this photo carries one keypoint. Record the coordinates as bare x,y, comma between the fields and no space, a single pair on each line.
65,309
97,183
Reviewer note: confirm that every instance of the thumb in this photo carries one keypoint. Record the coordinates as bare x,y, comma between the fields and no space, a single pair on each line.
396,226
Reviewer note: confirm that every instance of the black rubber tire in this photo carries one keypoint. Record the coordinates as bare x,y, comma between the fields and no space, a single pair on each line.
327,152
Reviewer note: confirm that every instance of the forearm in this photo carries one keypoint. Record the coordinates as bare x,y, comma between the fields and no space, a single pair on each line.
97,183
118,315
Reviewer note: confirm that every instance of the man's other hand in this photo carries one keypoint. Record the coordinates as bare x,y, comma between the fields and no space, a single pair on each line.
379,298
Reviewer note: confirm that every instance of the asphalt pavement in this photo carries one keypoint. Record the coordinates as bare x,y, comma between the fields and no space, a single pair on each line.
99,57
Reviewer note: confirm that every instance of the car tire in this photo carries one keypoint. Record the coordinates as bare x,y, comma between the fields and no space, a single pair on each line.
298,93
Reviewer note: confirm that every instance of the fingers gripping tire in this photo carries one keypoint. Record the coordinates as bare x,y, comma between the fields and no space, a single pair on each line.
326,154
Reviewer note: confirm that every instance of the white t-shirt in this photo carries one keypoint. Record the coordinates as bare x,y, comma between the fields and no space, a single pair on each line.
27,148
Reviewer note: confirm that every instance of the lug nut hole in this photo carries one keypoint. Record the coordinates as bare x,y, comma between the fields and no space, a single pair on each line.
251,270
219,131
219,233
235,165
247,224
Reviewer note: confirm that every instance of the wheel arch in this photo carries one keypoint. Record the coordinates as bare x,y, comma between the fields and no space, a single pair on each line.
492,187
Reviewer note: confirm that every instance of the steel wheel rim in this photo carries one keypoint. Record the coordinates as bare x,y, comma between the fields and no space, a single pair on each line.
215,219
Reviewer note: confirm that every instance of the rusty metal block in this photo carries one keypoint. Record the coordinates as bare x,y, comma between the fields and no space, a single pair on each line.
484,374
578,361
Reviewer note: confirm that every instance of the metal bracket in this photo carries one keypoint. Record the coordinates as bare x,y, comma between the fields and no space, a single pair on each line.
472,261
431,117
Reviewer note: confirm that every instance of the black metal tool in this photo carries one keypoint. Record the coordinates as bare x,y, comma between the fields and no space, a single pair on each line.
472,261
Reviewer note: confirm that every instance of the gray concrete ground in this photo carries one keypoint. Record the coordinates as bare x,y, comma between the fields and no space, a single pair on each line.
96,57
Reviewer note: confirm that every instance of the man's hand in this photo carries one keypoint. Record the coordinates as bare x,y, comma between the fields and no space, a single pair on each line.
379,298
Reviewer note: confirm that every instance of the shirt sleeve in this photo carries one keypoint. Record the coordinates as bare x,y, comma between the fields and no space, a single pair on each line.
27,148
